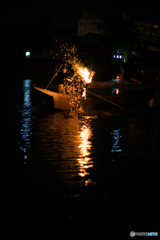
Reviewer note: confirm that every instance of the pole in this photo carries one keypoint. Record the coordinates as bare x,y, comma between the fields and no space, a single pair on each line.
54,76
106,100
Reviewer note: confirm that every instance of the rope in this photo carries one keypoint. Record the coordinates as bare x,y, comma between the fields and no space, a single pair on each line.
54,76
106,100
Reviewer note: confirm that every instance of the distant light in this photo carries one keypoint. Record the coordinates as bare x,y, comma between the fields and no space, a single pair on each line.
28,54
117,91
155,26
117,77
117,56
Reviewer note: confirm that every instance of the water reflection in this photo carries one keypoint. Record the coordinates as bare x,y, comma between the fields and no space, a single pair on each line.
67,145
116,148
26,118
85,146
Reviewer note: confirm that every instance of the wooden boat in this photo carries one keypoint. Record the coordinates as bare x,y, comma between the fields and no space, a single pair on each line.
60,101
129,93
136,80
127,87
100,96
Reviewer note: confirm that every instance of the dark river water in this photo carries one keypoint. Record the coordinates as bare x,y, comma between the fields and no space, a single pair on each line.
78,179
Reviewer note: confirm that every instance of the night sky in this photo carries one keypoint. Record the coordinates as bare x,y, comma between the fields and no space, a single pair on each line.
67,12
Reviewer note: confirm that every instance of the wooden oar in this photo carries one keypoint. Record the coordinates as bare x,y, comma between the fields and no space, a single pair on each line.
106,100
54,76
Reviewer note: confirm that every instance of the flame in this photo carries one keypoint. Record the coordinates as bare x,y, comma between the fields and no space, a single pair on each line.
85,74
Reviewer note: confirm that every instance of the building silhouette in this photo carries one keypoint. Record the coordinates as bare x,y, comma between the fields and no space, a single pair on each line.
89,24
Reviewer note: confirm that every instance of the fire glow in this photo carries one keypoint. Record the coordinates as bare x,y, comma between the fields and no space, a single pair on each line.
85,74
71,58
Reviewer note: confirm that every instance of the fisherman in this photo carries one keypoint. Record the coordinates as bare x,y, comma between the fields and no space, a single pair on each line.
60,80
62,75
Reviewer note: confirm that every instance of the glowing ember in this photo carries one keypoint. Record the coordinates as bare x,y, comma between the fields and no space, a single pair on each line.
70,57
79,76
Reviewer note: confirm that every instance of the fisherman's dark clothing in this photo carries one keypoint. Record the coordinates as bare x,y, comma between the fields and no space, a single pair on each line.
61,77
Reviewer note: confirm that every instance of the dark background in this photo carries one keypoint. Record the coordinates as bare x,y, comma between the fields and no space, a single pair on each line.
31,206
21,22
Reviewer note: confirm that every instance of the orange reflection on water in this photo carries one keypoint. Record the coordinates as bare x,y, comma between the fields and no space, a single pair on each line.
84,160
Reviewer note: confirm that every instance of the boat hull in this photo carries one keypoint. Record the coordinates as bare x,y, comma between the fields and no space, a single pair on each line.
100,97
128,93
60,101
136,80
